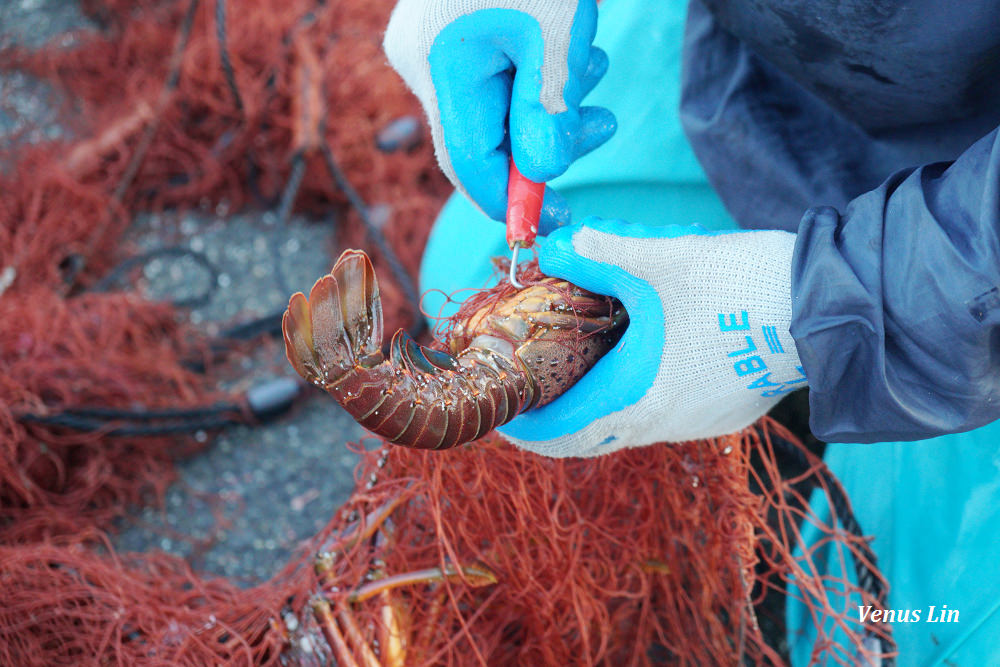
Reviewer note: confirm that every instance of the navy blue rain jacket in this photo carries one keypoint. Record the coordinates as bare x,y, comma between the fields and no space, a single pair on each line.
870,127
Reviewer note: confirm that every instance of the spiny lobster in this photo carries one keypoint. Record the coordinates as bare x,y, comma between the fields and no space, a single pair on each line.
517,351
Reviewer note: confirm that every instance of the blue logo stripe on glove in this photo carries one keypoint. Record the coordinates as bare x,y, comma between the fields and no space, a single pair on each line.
471,62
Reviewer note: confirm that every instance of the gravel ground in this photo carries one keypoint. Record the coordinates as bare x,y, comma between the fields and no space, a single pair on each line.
32,23
273,485
241,507
28,107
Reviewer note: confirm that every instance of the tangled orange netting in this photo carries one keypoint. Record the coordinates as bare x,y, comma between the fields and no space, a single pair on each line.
670,554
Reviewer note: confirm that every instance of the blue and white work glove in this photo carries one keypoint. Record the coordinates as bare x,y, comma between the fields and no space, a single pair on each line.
459,57
707,349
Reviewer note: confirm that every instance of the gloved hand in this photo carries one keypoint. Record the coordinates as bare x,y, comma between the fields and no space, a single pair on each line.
458,57
707,349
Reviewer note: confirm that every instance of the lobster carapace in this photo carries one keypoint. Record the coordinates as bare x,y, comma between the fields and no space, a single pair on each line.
518,350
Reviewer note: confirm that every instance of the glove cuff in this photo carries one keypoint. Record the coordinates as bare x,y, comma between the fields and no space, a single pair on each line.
415,24
727,352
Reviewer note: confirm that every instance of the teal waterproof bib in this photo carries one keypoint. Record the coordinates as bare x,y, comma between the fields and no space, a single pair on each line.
934,509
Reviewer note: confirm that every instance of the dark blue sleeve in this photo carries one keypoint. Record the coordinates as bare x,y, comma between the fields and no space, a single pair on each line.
896,304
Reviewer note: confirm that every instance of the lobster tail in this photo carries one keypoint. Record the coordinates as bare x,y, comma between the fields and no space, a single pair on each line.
339,327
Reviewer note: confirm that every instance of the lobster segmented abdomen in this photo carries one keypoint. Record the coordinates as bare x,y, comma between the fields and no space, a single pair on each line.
419,397
433,409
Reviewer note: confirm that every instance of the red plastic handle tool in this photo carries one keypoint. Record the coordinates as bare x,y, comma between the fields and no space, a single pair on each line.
524,207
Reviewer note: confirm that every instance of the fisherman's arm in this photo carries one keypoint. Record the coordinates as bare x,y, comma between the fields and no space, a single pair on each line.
896,304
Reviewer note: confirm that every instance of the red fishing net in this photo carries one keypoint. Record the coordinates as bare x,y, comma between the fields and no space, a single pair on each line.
485,554
479,555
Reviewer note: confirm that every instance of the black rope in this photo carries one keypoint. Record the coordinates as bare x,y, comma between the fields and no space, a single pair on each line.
261,402
288,196
865,573
120,273
291,190
269,325
376,236
108,427
145,414
223,342
138,422
227,64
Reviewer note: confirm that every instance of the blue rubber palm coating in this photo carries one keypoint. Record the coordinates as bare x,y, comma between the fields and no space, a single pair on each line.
631,366
486,69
